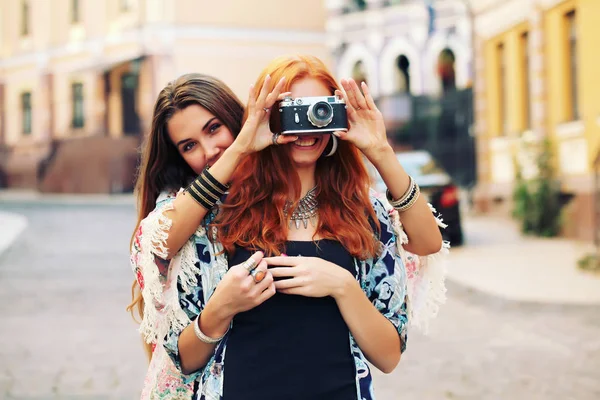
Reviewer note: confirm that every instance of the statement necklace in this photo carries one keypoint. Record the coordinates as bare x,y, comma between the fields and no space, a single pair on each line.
307,210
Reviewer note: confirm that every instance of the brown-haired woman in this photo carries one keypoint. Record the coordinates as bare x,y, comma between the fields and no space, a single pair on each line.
197,134
304,327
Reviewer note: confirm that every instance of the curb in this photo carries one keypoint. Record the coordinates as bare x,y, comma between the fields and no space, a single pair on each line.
16,224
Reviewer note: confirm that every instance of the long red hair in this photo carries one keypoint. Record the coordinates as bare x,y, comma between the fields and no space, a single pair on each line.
252,216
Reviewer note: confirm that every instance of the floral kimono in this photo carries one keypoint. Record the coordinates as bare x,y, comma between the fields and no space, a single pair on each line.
413,295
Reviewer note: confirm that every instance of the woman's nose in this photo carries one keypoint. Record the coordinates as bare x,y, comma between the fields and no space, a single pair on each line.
211,152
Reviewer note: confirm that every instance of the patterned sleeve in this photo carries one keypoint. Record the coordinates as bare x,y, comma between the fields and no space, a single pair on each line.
384,279
191,304
426,275
210,264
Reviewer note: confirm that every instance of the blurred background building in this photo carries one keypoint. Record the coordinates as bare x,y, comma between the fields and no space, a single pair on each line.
479,84
402,46
78,78
416,56
536,65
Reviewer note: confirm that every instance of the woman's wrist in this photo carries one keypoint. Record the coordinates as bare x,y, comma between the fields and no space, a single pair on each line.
236,151
380,154
345,288
215,320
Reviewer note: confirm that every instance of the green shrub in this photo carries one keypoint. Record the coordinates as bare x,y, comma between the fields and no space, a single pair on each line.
537,200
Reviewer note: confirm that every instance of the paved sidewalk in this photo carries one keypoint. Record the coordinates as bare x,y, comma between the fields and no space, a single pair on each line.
12,225
498,260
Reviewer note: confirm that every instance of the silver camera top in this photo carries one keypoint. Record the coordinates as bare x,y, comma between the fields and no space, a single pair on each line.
306,101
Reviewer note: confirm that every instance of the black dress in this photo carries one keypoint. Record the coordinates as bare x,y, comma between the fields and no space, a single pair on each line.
291,347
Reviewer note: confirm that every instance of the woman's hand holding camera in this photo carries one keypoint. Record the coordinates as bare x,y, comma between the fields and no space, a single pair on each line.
256,134
366,126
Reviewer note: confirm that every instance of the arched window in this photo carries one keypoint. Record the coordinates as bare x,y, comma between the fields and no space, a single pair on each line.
359,73
403,81
446,70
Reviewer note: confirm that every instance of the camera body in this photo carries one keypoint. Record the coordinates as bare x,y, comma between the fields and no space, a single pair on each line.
309,116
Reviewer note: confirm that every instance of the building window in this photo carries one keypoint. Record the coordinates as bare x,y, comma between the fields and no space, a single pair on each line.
26,112
75,16
403,65
77,100
526,82
573,112
359,73
446,70
502,109
24,18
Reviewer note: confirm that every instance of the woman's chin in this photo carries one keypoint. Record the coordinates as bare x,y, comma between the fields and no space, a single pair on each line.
305,160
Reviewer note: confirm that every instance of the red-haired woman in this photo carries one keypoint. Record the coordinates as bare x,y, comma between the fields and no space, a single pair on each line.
302,278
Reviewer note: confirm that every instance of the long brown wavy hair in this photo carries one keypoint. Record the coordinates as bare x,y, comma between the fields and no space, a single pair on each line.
162,166
252,216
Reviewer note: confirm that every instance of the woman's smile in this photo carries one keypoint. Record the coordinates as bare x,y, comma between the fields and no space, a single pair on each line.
307,142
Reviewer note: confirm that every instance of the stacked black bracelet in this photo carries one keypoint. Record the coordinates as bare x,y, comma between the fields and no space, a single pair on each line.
206,190
408,199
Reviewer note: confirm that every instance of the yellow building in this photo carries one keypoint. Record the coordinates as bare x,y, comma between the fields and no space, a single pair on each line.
536,66
78,78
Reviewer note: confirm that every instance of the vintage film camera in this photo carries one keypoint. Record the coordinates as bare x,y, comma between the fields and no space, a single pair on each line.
309,116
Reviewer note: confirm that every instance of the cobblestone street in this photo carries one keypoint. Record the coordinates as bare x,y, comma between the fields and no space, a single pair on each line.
65,282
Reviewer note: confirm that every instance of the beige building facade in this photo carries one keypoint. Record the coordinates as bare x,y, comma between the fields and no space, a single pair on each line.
78,78
536,66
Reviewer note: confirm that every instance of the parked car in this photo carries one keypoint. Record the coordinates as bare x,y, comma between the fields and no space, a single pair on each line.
436,186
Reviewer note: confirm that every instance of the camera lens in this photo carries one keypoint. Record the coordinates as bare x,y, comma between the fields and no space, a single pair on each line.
320,114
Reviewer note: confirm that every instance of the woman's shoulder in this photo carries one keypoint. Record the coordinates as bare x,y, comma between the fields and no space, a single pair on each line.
166,197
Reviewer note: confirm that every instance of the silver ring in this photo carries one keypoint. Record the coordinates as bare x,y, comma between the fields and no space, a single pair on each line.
357,108
266,109
275,138
250,264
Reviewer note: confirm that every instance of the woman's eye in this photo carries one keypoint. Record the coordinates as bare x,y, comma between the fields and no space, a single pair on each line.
213,128
188,147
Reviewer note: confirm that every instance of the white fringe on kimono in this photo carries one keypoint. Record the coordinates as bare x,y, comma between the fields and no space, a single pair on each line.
426,275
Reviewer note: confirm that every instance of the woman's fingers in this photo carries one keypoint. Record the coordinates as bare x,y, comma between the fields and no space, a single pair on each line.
257,256
350,93
264,91
341,134
360,99
283,95
349,109
284,261
285,139
251,98
252,261
274,95
285,272
370,102
288,283
267,293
